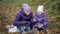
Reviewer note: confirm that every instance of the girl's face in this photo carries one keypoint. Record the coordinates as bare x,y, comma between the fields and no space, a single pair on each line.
27,13
39,13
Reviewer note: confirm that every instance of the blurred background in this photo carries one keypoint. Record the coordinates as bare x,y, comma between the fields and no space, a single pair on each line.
9,9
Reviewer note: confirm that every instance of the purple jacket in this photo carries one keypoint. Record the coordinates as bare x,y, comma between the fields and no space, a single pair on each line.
41,19
22,18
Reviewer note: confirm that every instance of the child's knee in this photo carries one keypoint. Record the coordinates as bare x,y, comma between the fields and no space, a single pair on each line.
28,29
21,29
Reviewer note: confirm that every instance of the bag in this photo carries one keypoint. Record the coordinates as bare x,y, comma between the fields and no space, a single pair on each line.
12,28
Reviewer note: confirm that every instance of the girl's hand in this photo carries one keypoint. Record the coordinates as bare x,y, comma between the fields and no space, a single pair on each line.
34,19
40,25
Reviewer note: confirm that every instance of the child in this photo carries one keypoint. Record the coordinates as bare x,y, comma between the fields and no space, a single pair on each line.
23,19
39,19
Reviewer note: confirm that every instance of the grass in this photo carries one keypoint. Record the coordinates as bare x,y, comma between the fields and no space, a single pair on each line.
9,9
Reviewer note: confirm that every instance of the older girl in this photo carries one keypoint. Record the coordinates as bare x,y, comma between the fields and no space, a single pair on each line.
23,19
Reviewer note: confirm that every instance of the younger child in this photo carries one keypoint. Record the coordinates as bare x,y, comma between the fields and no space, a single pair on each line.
39,20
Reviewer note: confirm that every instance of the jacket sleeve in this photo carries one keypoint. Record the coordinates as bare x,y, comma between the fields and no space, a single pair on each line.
17,20
31,17
45,22
44,18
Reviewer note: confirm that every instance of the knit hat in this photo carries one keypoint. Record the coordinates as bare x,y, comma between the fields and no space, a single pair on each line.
26,7
40,9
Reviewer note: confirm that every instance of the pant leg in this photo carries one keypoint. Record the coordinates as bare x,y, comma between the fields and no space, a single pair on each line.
44,29
28,29
21,29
